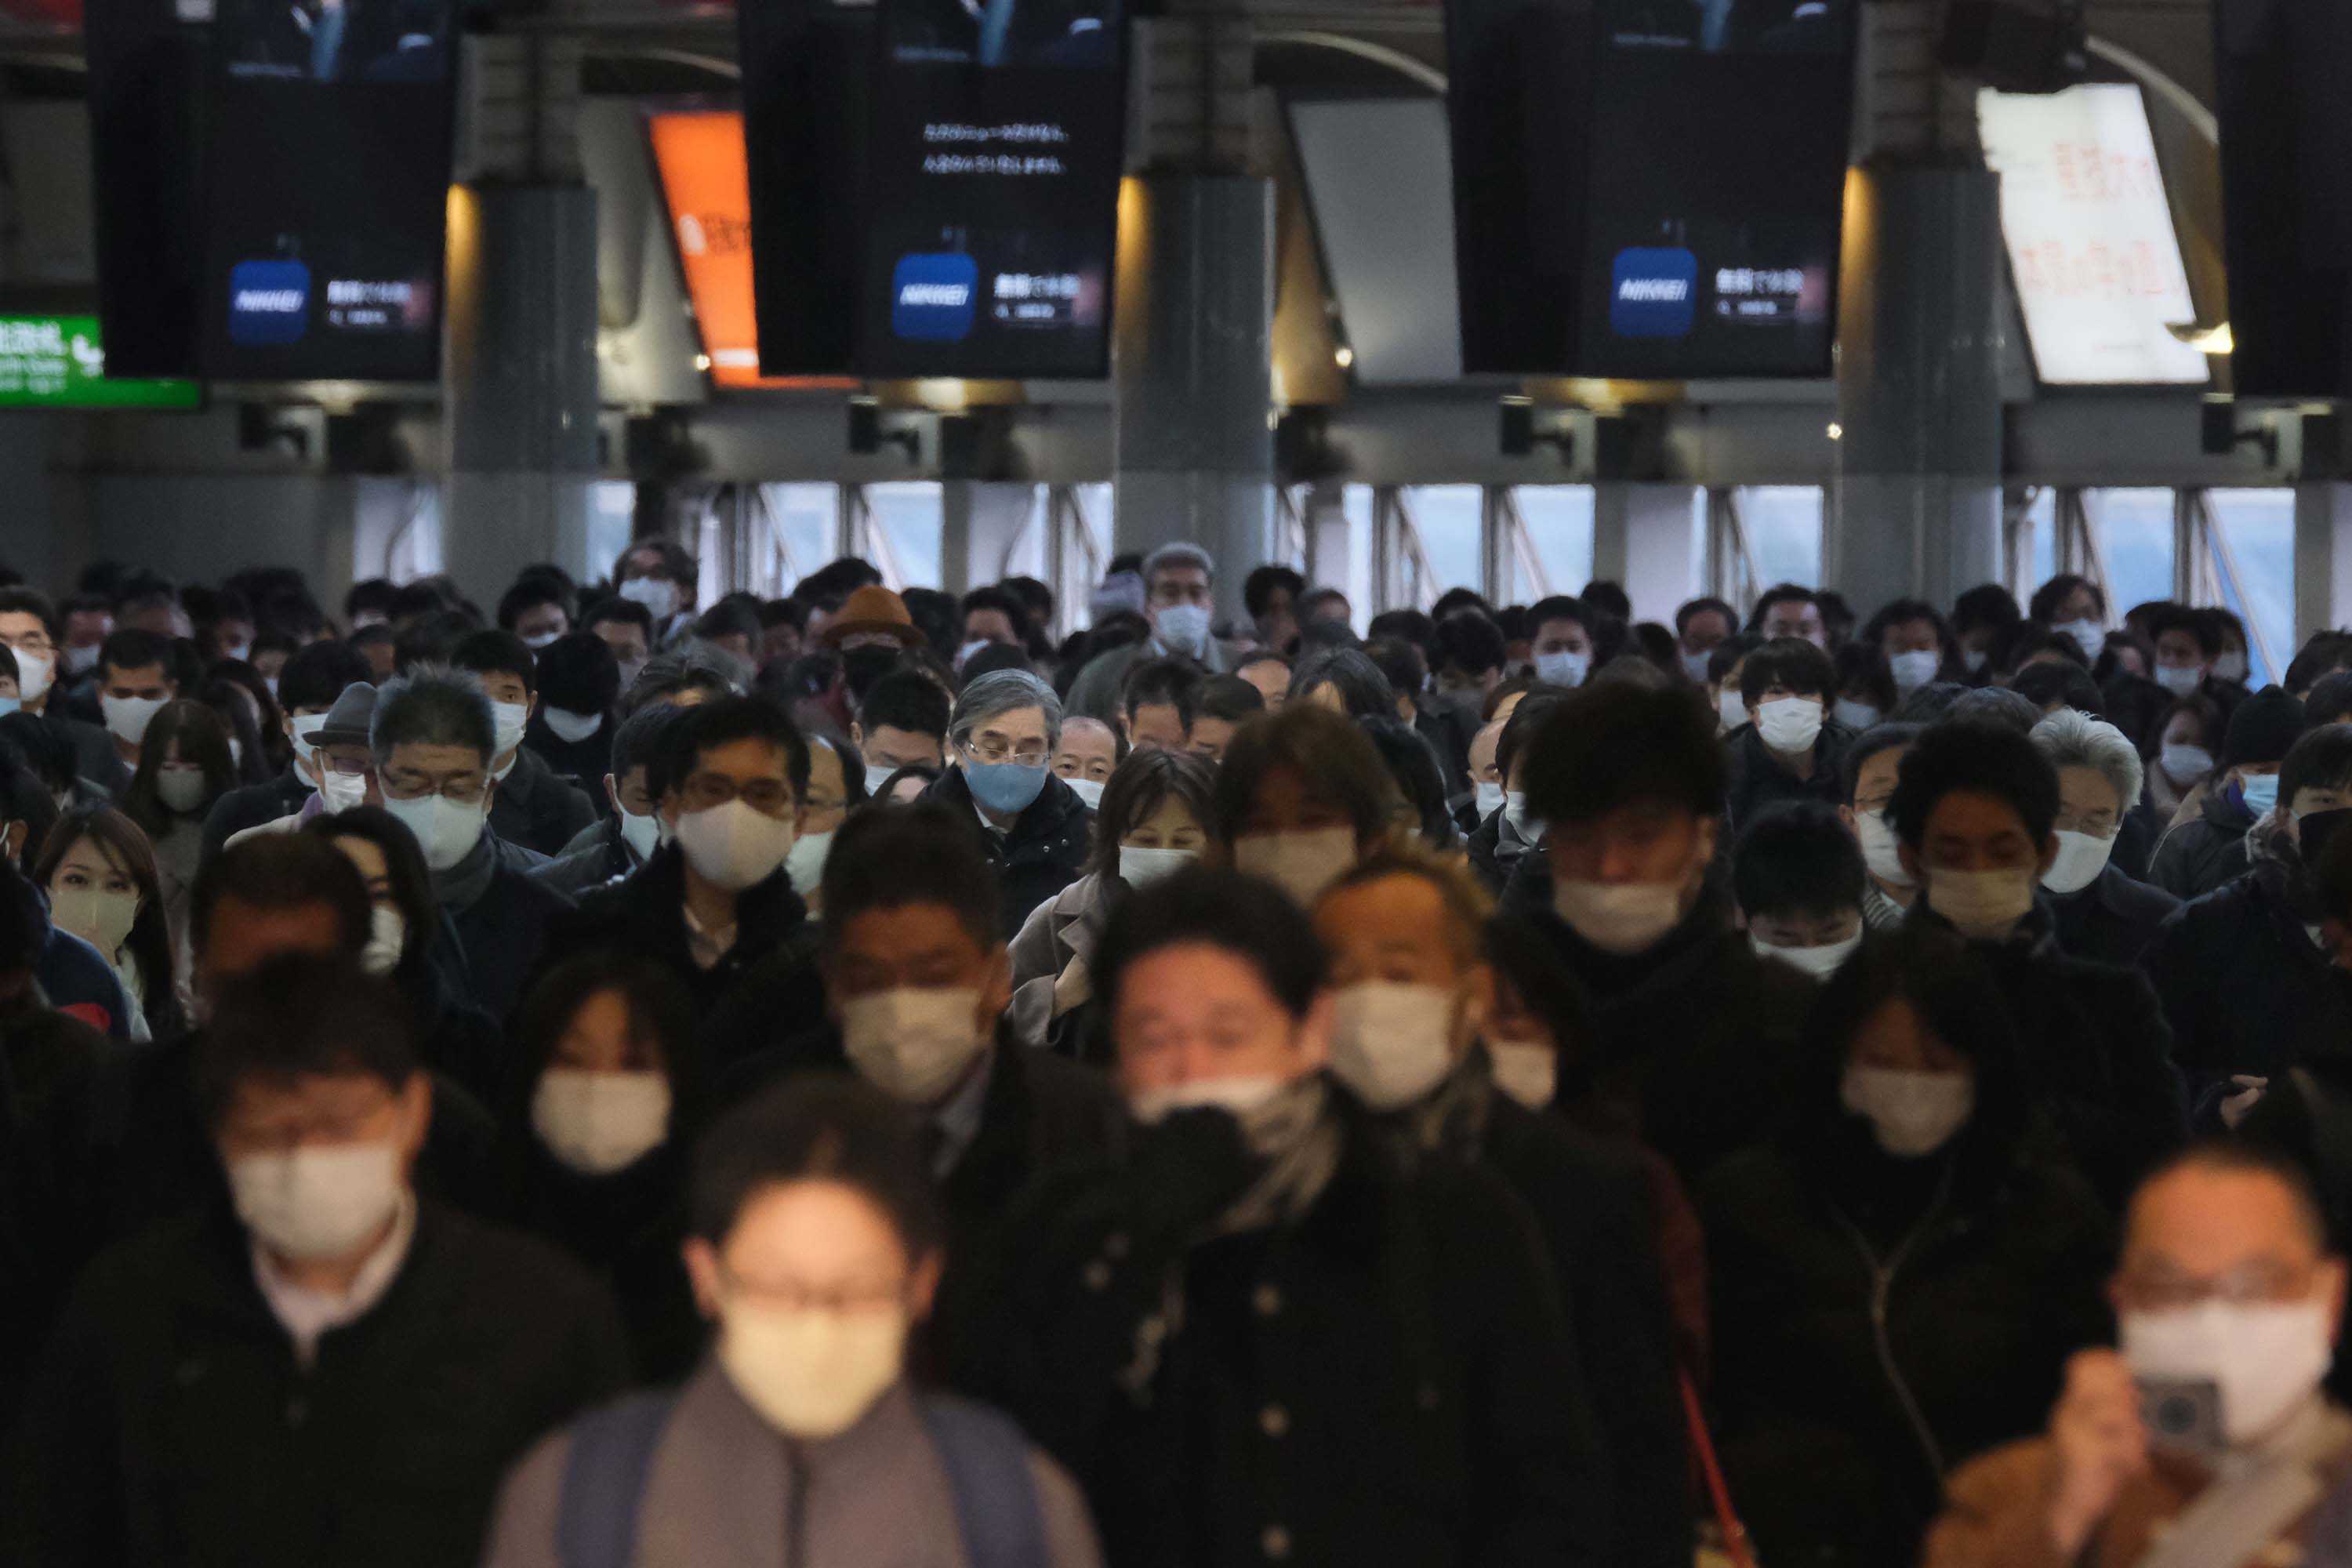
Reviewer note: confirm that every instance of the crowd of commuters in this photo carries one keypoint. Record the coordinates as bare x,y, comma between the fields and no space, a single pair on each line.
856,1079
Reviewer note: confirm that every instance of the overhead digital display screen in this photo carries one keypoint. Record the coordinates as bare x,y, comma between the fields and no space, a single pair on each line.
2092,249
994,158
1649,188
327,189
56,362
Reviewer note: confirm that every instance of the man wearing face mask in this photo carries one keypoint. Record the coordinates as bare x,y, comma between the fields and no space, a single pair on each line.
1799,880
1228,1337
339,759
1789,748
434,739
2248,979
1036,832
1871,764
1976,808
538,609
2206,1438
1690,1030
572,728
631,828
1510,834
1562,636
2208,849
135,678
1412,990
660,575
532,806
2102,913
1180,581
307,691
316,1322
30,628
714,904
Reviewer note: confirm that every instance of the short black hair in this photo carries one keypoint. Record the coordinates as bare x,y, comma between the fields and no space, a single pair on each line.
1252,919
888,856
131,648
1558,607
1363,688
1521,726
2045,683
1454,601
1795,857
2043,606
1782,594
2321,760
1326,752
404,869
666,675
1258,588
906,700
376,596
282,871
1229,698
1609,598
993,656
1419,778
1406,625
304,1015
1930,703
578,673
2202,626
1986,605
528,594
1016,612
1902,613
18,599
1869,743
1401,662
1791,662
2330,701
1979,759
1694,609
1162,683
1618,744
724,720
1731,651
612,607
496,652
1861,666
728,619
1996,707
818,1126
2324,654
1469,642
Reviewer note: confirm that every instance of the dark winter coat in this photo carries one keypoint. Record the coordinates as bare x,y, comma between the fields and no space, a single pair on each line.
2113,921
626,1229
580,763
537,809
254,806
1496,852
596,856
1045,851
503,932
2206,850
1755,778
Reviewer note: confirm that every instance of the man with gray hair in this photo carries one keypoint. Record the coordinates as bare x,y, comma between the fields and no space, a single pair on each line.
434,739
1179,585
1034,829
2102,913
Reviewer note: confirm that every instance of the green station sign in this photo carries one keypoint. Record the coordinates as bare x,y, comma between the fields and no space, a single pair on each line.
56,362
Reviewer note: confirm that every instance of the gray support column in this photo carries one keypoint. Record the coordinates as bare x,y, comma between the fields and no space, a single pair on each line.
518,381
1194,370
978,525
2322,558
1644,539
1916,509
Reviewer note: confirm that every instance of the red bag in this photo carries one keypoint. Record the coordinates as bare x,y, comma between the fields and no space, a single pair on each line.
1735,1534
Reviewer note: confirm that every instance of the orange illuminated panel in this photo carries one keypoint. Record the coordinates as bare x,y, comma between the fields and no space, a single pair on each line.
707,181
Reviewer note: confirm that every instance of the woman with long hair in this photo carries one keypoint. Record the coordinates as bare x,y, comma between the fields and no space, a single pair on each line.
101,876
184,766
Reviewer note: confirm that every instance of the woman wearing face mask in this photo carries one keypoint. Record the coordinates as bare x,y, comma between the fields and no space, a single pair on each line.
1302,796
1344,681
1511,832
814,1244
275,749
571,728
1896,1281
184,767
103,887
2179,752
837,787
2209,848
1791,748
596,1124
1868,694
1153,821
241,719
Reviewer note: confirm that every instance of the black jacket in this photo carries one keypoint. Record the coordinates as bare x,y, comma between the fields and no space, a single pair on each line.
624,1228
2244,988
1045,851
1689,1043
2206,851
536,809
1389,1379
252,807
596,857
172,1424
1756,778
96,756
1493,859
503,932
581,763
2113,921
1844,1283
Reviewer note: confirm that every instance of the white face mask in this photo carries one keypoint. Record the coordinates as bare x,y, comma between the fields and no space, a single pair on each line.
387,939
1183,628
2232,666
445,830
658,597
341,792
1730,709
2184,765
1236,1096
1087,790
319,1202
78,660
812,1371
2181,680
1622,918
1695,666
127,718
1490,798
1973,660
33,672
1880,849
1789,725
181,790
1528,1074
306,740
1391,1044
101,917
1915,1113
1563,668
964,653
641,834
1983,905
914,1043
2081,858
733,846
2264,1358
630,669
1819,961
600,1123
1856,715
511,719
2089,636
1140,866
1914,671
805,864
1525,828
1301,864
543,639
569,726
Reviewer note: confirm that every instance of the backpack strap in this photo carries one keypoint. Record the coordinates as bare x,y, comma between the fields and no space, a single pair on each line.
987,1462
604,1480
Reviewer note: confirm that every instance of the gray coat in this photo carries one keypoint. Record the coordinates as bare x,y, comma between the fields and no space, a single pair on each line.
1060,933
717,1494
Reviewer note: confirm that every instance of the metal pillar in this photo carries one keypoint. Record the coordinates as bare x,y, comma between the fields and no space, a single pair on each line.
979,525
2322,558
1647,539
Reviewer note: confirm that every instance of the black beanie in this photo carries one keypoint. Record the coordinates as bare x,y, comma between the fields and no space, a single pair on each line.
2265,729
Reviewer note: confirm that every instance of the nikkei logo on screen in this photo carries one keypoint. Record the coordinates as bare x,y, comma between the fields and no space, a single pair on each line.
268,303
933,298
1654,293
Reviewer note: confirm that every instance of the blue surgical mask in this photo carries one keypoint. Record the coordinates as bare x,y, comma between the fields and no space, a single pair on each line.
10,705
2260,792
1005,787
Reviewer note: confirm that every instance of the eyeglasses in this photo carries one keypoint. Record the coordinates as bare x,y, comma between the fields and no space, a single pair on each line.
2254,1283
994,749
792,1296
463,789
347,767
706,791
